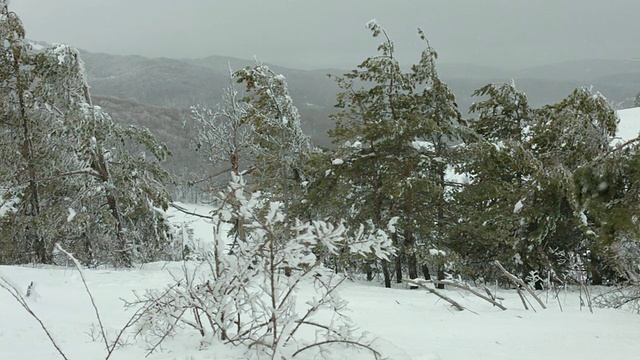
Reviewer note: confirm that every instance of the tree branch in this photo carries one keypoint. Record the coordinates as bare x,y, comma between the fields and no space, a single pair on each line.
5,284
433,291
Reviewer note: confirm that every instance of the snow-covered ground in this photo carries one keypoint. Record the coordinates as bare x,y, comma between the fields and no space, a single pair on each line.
629,126
408,324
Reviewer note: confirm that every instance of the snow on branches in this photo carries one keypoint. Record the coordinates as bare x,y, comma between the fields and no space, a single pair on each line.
247,291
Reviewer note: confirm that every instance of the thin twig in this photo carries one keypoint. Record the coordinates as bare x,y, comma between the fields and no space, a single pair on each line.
520,282
182,209
86,287
16,295
376,354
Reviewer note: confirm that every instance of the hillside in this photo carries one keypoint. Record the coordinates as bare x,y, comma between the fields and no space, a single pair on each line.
171,86
406,324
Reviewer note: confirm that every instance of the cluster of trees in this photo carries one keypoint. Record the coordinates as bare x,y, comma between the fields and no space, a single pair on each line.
546,191
69,174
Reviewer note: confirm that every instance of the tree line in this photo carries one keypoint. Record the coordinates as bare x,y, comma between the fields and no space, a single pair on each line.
547,192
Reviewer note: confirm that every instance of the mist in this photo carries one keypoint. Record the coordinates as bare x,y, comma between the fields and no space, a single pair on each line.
330,34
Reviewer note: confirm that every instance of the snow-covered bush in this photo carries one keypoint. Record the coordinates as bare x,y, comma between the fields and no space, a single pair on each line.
246,293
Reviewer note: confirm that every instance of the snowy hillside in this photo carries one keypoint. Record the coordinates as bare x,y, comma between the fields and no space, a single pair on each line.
408,324
629,126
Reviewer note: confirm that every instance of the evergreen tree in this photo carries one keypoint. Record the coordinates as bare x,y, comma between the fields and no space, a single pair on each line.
278,145
500,169
33,119
69,162
398,132
523,177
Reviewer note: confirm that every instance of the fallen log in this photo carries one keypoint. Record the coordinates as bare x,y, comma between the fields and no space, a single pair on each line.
519,282
433,291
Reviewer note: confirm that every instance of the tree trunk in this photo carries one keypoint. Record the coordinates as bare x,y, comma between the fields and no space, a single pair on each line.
32,209
123,255
386,274
412,261
440,276
399,258
412,264
368,269
398,268
425,272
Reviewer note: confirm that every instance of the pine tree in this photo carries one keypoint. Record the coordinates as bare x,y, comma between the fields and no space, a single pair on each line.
33,118
523,175
500,170
278,145
70,162
398,132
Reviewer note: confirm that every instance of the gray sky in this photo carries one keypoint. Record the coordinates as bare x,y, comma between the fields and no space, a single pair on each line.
331,33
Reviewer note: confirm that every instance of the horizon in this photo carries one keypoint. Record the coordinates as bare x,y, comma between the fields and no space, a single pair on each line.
293,67
331,35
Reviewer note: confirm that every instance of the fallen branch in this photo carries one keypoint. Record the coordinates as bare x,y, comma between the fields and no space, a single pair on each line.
523,299
433,291
519,282
469,289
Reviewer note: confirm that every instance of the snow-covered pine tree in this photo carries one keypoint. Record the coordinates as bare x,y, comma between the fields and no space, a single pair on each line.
523,177
120,168
567,136
224,135
500,170
68,161
398,131
33,148
278,145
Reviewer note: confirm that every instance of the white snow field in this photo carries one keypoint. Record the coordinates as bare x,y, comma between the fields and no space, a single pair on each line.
629,126
408,324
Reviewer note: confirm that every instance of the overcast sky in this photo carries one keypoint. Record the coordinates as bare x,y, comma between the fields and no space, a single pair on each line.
331,33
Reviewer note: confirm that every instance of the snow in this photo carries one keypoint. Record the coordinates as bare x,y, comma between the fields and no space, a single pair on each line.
451,175
436,252
518,207
35,46
421,145
61,51
337,162
408,324
72,214
629,126
7,205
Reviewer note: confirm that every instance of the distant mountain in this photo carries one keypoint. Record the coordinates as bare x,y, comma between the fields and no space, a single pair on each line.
618,80
179,84
166,124
182,83
584,71
470,71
